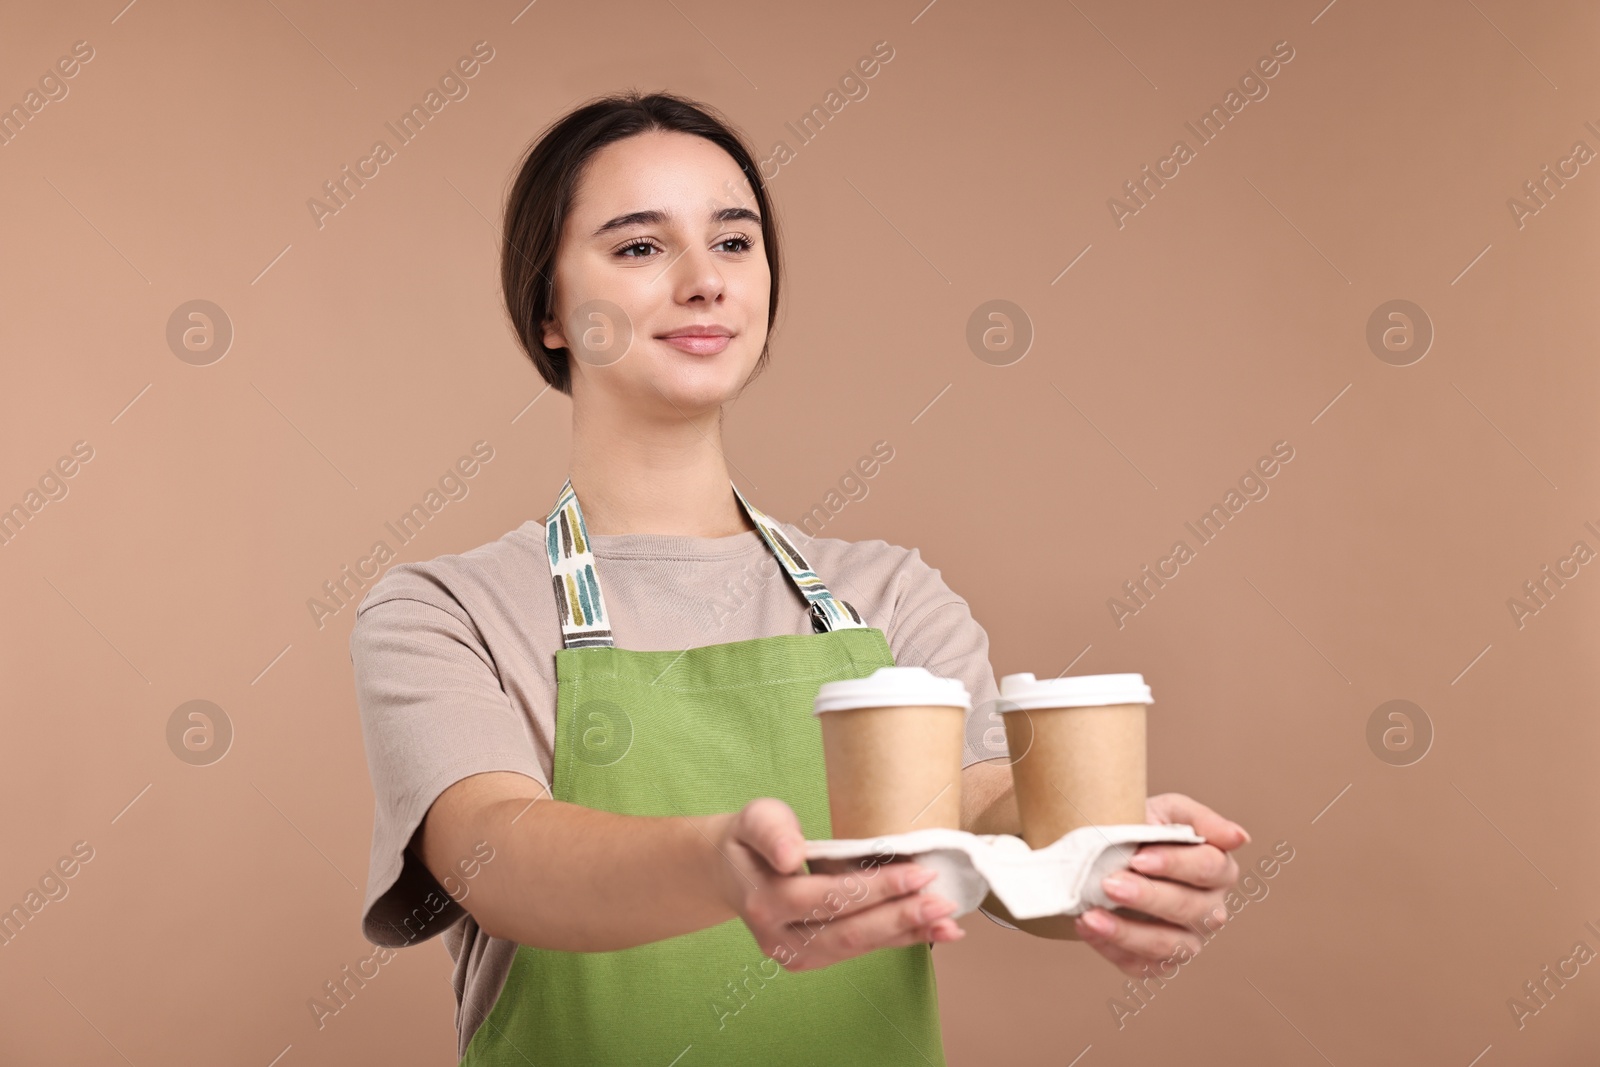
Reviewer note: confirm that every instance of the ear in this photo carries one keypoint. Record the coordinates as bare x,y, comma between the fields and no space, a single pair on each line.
552,334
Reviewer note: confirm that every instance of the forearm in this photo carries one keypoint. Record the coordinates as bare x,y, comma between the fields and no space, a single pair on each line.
581,880
988,800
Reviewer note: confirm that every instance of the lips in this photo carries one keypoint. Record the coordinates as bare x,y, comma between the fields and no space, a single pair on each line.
699,340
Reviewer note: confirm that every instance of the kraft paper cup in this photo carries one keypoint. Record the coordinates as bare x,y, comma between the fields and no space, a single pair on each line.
893,743
1078,759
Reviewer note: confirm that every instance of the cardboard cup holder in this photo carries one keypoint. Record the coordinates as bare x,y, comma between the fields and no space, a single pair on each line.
1001,873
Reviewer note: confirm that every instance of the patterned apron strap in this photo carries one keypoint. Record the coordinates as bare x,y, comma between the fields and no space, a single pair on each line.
828,613
584,622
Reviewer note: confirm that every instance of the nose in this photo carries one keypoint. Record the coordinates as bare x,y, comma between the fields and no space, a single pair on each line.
695,275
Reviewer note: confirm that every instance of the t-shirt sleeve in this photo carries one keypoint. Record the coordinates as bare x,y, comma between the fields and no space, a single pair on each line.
432,713
932,627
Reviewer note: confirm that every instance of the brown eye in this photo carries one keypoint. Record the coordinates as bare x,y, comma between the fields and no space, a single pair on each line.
625,249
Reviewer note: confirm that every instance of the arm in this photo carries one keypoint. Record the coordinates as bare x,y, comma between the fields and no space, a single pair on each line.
555,875
988,800
568,877
575,879
1184,883
932,627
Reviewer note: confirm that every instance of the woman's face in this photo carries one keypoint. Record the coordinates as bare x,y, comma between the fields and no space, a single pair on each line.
661,238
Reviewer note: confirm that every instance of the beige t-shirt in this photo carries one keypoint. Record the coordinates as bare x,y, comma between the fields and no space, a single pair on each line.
454,663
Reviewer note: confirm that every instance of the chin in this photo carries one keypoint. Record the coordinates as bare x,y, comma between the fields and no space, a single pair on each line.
701,387
701,380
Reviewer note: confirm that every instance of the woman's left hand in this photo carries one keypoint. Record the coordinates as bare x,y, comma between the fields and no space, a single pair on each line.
1187,884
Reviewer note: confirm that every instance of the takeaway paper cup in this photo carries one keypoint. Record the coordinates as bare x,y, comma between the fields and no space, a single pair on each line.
1078,759
1082,751
892,742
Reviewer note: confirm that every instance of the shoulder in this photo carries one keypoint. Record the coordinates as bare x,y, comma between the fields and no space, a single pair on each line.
926,623
868,554
508,569
884,574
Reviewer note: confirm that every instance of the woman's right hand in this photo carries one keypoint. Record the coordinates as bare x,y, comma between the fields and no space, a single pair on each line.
806,921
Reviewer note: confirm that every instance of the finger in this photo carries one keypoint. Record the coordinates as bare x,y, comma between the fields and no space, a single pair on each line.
1121,958
1169,901
1203,866
1167,808
1145,940
808,895
771,829
888,925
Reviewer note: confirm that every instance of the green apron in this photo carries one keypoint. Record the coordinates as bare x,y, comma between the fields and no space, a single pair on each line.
697,732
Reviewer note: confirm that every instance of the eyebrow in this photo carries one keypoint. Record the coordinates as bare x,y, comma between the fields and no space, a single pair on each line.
658,218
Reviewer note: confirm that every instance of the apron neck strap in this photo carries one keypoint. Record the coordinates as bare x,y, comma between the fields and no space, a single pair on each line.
584,622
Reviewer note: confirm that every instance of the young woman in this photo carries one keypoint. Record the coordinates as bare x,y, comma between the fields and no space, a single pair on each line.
592,741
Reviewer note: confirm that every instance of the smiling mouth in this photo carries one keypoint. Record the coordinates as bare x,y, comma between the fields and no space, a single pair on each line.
699,344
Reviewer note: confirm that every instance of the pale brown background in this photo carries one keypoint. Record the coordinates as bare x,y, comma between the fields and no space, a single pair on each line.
1225,316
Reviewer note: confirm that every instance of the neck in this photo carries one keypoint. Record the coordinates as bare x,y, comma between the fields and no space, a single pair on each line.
637,476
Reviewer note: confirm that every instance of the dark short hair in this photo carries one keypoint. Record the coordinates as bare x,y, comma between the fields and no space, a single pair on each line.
541,196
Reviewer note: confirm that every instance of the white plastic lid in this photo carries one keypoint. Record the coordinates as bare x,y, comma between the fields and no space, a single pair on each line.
889,687
1022,691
